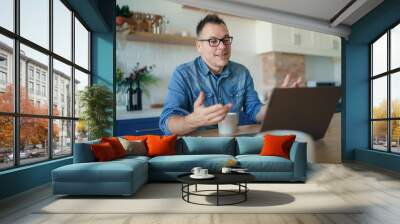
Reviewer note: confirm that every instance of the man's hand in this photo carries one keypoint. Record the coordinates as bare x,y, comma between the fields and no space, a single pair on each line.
203,116
296,83
261,114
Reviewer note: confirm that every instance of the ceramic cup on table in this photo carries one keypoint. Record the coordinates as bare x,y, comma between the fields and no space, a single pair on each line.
229,125
196,171
226,170
203,172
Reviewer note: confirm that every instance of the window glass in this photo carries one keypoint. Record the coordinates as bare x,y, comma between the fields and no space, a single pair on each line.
379,98
395,47
7,14
35,21
81,45
62,91
6,142
39,62
379,135
34,81
81,131
6,74
379,56
62,29
395,136
62,138
81,81
33,140
395,95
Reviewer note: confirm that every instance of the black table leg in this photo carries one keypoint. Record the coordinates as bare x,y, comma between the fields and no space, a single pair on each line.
185,188
188,190
245,193
182,190
217,194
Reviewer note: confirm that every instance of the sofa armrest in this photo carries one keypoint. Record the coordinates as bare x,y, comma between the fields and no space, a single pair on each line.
298,155
83,152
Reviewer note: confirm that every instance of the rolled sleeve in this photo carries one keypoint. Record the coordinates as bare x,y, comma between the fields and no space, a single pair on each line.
252,102
176,101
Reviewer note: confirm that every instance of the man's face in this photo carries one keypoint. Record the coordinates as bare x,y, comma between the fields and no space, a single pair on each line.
216,57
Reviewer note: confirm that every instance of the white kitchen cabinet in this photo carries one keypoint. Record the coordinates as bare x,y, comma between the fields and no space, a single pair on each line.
278,38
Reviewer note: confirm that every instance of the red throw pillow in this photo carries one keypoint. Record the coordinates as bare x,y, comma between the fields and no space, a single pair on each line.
103,152
277,145
116,145
161,145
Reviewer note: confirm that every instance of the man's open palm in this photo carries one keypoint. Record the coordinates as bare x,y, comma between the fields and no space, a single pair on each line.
211,115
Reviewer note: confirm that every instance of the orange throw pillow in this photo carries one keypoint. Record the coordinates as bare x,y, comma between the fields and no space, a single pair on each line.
103,152
116,145
277,145
161,145
136,137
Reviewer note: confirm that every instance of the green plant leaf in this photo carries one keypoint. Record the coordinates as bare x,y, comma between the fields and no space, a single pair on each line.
97,104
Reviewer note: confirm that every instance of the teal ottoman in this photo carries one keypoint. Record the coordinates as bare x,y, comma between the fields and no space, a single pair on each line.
118,177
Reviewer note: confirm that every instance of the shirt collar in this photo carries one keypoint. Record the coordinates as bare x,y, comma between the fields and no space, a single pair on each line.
206,71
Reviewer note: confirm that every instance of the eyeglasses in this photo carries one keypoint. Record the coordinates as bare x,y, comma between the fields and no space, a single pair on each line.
214,42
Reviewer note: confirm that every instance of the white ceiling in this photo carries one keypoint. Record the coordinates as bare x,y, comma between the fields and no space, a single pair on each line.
319,9
313,15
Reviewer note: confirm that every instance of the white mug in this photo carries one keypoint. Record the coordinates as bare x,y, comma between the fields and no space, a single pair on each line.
196,170
229,125
203,172
226,170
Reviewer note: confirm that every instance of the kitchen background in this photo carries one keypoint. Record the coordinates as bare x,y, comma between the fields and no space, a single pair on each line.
269,51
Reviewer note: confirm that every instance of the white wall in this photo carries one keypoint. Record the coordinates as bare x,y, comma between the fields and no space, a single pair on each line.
323,69
167,56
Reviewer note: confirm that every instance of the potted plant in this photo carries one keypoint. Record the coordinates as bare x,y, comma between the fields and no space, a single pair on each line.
122,13
96,102
136,83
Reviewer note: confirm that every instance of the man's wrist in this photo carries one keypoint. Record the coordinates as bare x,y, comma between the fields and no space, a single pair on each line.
189,121
261,113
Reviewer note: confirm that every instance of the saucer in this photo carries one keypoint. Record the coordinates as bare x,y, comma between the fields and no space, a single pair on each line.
208,176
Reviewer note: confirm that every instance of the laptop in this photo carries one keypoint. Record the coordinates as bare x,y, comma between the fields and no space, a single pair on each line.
309,110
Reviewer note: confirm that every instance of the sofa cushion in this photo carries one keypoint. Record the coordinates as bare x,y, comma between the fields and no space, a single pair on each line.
277,145
133,158
135,137
83,152
135,147
257,163
249,145
116,145
103,152
161,145
112,171
185,163
208,145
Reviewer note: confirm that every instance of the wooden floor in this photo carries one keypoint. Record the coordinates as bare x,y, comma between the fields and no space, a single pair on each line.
378,189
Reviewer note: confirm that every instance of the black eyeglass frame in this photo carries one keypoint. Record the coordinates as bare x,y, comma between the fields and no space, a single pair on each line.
219,41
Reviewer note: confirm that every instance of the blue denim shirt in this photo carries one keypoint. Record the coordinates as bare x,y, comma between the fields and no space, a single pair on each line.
234,85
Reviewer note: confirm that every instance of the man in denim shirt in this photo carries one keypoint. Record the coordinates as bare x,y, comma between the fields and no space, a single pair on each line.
203,91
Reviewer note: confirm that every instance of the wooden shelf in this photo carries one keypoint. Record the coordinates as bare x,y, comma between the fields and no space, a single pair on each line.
161,38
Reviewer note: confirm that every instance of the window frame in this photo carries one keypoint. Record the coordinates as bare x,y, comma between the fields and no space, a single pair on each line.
16,114
388,74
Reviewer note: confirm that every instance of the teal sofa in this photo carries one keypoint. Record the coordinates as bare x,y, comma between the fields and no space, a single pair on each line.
125,176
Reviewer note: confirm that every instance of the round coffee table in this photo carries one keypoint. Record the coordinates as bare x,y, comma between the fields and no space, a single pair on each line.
238,179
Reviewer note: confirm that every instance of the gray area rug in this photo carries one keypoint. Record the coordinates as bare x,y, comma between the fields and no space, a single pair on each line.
166,198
